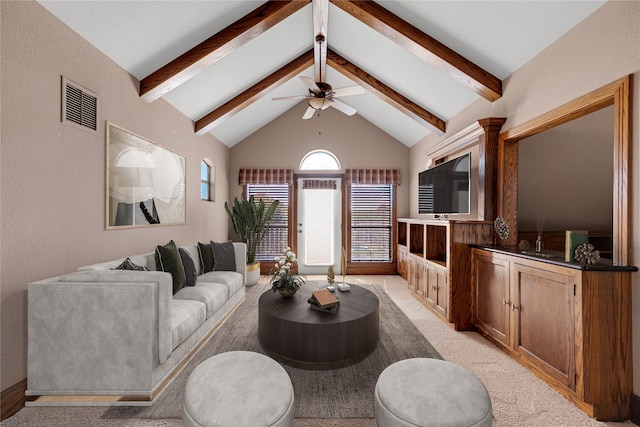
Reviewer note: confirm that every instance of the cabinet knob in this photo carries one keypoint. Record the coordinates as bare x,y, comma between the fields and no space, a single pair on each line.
515,307
505,302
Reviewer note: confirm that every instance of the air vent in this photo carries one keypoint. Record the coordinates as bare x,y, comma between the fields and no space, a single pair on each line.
79,106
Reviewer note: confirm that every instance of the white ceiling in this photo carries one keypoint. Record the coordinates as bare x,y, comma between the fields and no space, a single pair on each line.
498,36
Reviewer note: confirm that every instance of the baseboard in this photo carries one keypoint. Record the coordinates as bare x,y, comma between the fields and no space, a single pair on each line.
635,409
13,399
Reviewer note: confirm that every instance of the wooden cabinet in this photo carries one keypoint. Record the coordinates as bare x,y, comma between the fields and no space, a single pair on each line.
543,318
569,325
402,262
492,302
438,268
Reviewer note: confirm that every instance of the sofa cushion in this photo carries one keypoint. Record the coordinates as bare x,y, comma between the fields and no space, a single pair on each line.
191,276
127,264
231,279
212,295
186,317
205,252
168,260
224,257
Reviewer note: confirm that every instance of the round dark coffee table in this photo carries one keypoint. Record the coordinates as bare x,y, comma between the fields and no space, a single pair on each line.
290,330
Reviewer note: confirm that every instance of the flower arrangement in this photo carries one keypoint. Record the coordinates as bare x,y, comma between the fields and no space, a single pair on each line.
284,273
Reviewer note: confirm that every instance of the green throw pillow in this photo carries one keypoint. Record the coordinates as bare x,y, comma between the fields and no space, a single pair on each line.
224,256
168,259
205,251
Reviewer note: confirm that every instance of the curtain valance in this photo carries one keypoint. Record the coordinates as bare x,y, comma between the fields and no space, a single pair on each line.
372,176
319,184
265,176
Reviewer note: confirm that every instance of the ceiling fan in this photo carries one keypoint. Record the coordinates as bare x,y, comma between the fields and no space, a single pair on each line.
321,95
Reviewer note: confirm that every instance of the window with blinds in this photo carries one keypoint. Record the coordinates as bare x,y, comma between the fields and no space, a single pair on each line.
277,235
371,223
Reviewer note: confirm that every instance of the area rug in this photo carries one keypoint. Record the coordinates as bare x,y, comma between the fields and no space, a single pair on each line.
347,392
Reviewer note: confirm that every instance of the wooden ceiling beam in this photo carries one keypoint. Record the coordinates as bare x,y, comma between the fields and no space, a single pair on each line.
255,92
385,93
425,47
320,18
217,47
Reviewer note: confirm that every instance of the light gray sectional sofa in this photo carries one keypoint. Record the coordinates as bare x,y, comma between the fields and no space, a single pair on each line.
106,332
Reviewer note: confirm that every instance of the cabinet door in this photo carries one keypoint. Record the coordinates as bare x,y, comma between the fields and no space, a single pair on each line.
544,324
431,294
421,281
491,296
402,262
412,272
442,291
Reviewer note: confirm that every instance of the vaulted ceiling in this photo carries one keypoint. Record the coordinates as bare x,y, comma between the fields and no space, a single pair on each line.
221,62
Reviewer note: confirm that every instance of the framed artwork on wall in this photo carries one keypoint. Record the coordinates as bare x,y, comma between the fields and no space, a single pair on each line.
146,183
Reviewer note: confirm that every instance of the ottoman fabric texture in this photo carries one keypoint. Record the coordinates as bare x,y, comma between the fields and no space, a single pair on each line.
239,389
430,392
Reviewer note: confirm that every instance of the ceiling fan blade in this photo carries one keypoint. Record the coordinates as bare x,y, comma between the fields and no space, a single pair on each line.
309,113
310,84
341,106
283,98
349,90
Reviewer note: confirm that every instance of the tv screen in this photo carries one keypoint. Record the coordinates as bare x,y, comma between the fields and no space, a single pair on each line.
444,189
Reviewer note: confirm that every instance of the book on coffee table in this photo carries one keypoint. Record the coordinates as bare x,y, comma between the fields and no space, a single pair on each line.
324,300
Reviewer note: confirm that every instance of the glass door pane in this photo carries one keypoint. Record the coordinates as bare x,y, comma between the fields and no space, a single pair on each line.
319,228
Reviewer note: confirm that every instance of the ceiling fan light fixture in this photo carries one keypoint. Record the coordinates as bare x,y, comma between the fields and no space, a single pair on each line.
319,103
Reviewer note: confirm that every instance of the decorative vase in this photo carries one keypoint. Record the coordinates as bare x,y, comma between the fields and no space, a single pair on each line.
287,292
253,273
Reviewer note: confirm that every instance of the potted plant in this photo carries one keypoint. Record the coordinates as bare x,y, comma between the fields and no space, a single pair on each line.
285,278
250,218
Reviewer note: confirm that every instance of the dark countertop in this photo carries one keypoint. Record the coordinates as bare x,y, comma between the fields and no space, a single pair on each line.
557,258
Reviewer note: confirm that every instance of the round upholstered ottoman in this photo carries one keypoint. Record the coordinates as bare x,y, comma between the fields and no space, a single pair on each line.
238,389
430,392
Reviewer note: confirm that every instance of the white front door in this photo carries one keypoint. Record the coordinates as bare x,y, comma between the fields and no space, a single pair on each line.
319,227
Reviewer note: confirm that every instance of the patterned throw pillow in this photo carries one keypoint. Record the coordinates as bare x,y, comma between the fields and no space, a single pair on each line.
127,264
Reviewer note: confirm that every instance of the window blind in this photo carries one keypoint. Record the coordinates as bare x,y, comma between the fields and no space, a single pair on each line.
371,223
277,231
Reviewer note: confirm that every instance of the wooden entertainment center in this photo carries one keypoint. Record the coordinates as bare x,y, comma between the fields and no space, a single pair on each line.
433,256
568,323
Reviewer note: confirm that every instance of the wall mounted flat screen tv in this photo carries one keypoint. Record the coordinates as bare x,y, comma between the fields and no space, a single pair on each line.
444,189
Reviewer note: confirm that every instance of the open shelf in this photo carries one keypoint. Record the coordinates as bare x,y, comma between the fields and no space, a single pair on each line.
402,233
416,239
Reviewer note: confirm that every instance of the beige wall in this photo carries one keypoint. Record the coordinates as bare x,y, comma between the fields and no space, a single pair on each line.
600,50
353,140
53,175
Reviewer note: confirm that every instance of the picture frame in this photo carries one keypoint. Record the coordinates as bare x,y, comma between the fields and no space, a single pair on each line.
145,183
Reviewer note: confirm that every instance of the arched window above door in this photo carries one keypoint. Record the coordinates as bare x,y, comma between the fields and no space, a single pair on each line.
319,160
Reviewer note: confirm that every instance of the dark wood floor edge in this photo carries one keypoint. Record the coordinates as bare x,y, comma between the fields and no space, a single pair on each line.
13,399
635,409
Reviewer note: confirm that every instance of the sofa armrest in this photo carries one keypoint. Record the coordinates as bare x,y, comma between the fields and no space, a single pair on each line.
240,249
160,283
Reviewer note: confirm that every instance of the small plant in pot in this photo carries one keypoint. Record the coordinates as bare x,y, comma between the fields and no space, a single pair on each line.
250,219
285,278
